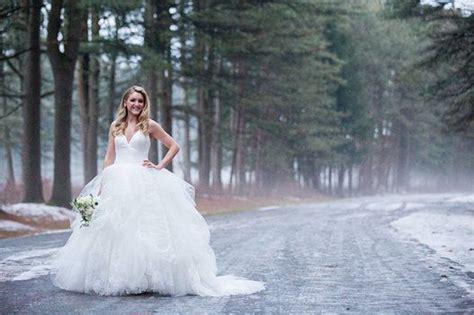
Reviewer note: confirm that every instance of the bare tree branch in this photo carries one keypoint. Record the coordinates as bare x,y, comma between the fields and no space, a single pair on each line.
10,112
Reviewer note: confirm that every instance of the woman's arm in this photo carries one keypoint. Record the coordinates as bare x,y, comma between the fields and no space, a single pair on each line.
160,134
110,153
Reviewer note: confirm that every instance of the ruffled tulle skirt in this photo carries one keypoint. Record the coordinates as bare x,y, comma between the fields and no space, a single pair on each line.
145,236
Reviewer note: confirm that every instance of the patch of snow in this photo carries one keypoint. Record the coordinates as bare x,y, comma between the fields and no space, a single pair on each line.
386,202
27,265
39,210
434,3
7,225
268,208
384,206
342,204
35,272
450,235
414,205
462,198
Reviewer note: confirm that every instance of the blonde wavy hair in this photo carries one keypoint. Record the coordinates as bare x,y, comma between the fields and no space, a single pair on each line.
121,121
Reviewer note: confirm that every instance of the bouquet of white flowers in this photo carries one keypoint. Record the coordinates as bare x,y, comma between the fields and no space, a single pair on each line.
85,206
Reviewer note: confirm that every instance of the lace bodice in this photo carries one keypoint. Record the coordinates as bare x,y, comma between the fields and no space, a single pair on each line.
134,151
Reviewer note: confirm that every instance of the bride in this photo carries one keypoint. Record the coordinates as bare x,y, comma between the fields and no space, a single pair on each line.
145,234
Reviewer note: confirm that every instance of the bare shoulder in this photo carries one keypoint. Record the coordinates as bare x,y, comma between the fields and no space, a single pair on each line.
153,125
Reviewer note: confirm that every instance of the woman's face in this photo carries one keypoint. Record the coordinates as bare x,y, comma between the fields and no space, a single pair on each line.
135,103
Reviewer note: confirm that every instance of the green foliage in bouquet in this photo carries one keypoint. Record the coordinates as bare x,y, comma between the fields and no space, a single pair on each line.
85,206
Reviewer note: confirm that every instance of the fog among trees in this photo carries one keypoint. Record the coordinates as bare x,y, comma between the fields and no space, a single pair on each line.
264,97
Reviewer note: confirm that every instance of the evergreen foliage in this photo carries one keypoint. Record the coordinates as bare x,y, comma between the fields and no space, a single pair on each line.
337,96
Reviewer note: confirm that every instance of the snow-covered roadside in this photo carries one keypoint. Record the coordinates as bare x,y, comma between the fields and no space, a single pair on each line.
27,265
31,218
451,235
465,198
38,210
8,225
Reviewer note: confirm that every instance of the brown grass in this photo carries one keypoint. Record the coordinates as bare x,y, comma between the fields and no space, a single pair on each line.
228,203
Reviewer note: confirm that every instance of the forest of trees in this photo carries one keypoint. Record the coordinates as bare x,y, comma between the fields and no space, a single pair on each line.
341,97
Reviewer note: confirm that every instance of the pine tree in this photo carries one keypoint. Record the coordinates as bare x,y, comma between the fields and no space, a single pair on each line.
63,62
31,150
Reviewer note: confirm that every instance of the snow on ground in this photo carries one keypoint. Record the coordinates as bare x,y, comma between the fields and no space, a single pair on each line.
463,198
7,225
384,206
466,6
35,215
414,205
451,235
268,208
386,202
27,265
38,210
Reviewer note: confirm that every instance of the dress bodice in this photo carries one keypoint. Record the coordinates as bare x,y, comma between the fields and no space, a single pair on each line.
134,151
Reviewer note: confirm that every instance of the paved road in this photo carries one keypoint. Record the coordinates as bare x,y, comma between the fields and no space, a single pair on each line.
336,257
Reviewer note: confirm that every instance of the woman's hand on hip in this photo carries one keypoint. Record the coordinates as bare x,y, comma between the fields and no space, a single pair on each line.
150,164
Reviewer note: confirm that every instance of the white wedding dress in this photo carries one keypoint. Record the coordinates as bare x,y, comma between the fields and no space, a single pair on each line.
145,235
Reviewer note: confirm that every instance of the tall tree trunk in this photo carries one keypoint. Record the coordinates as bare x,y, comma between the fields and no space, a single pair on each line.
61,195
203,170
237,150
112,80
239,153
205,135
383,164
152,82
166,75
31,151
365,171
152,43
340,180
10,186
330,179
166,107
258,159
83,96
216,148
204,121
381,141
401,175
63,64
239,123
215,143
350,184
186,107
187,141
238,159
88,92
317,178
111,93
94,108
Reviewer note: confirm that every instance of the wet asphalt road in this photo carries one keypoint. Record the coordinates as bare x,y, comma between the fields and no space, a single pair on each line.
337,257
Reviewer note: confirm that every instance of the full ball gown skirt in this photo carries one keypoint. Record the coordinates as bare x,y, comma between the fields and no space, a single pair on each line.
145,235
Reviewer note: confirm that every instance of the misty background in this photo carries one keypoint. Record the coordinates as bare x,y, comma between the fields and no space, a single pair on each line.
264,97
